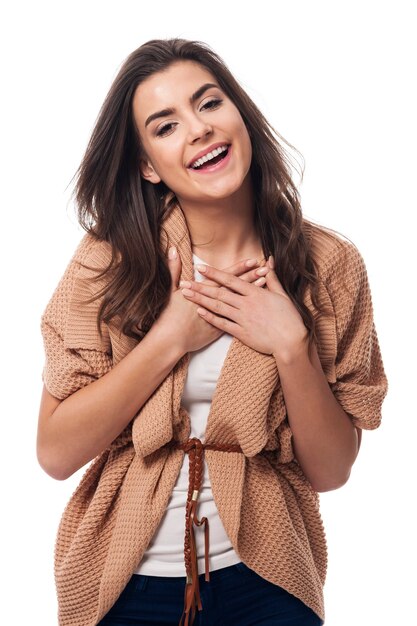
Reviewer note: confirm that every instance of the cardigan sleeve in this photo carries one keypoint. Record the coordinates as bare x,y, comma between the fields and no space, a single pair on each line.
361,383
74,353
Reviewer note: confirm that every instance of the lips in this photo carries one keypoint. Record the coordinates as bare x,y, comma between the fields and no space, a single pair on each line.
206,151
211,168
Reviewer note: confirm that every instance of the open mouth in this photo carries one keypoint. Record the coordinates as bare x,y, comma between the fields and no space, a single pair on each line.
217,159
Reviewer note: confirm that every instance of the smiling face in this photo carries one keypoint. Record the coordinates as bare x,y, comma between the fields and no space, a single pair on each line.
174,139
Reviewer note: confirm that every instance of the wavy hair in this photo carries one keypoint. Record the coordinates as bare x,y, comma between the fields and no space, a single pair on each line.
115,204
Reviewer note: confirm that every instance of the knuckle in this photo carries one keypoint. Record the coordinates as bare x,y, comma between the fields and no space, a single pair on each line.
218,306
226,324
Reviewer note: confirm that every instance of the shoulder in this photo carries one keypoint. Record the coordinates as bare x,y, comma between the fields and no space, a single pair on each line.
89,252
343,293
81,275
336,257
93,252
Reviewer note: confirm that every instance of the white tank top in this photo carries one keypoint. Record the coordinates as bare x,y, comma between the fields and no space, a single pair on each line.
164,555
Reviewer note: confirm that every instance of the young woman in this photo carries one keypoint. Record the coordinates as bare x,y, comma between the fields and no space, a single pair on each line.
211,351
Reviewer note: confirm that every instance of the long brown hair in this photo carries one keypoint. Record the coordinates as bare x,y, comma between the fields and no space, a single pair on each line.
115,204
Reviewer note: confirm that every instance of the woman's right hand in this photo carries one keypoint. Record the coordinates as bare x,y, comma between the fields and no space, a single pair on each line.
180,321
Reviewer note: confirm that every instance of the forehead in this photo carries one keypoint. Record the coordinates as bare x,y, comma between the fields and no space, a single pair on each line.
167,88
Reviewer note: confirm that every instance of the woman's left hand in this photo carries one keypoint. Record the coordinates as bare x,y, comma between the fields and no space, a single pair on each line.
263,319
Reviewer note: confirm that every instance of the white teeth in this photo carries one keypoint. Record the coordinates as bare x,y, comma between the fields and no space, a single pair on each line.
209,156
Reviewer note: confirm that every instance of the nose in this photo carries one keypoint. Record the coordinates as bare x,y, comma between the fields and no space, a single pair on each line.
198,128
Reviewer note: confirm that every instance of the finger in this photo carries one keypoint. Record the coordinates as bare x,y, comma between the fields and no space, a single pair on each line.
240,269
221,323
216,299
253,275
174,265
249,277
244,266
213,292
272,281
233,283
261,271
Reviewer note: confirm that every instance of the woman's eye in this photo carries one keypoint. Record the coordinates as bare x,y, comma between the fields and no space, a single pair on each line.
163,129
211,105
214,102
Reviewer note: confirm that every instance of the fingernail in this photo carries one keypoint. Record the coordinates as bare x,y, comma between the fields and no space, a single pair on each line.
271,261
250,262
172,252
202,268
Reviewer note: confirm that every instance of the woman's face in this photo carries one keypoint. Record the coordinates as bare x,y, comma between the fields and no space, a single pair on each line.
173,140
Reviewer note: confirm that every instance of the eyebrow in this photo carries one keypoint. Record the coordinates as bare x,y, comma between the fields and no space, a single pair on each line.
170,111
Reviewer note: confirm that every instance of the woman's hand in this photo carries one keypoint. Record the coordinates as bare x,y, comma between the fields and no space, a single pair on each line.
263,319
179,321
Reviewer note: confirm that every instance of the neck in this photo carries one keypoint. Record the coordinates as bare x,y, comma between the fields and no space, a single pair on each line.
224,231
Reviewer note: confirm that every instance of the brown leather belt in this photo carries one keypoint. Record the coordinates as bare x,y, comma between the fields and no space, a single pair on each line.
195,449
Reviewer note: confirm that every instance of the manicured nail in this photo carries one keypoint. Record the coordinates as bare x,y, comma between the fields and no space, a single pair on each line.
251,262
202,268
172,253
185,283
271,261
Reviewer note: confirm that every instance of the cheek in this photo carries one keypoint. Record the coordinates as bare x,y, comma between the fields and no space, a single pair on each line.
245,142
169,153
161,163
239,129
168,161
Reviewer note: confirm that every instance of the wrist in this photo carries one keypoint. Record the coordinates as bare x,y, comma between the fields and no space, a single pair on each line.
292,353
168,340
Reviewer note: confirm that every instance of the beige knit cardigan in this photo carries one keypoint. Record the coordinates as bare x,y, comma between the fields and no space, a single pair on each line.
267,506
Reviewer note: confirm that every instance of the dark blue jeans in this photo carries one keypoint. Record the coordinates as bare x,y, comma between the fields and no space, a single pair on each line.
234,596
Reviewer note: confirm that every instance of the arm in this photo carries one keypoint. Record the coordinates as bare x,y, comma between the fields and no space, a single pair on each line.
325,440
327,418
75,430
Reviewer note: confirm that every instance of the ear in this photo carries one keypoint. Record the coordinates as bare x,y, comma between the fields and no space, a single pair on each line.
148,172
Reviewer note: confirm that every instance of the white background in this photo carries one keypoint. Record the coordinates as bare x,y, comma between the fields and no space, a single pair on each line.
337,80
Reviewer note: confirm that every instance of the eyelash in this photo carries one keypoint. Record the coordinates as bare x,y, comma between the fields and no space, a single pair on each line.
162,131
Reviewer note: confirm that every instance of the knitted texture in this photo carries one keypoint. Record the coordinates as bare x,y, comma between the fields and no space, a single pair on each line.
266,504
70,365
